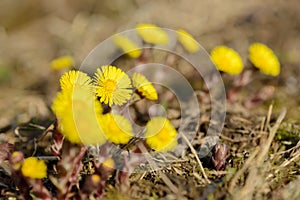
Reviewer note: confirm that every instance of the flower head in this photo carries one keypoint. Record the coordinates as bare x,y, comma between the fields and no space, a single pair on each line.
264,59
63,62
144,87
73,78
227,60
152,34
127,46
160,134
78,114
113,85
187,41
116,128
34,168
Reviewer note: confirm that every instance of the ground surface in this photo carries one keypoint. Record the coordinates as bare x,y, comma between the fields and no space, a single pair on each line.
33,32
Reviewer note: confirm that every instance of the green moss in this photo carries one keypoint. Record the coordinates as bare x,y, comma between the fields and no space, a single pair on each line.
288,133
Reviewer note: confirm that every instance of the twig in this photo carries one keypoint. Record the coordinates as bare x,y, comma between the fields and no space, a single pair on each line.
37,126
287,162
48,157
167,181
242,170
251,182
262,124
253,179
239,140
288,150
271,136
237,118
45,132
197,158
268,117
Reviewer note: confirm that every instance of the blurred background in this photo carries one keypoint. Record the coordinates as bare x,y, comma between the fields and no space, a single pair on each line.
33,32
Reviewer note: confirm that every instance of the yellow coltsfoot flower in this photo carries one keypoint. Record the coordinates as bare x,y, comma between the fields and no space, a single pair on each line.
113,86
131,49
227,60
144,87
152,34
264,59
160,134
78,112
187,41
34,168
116,128
64,62
73,78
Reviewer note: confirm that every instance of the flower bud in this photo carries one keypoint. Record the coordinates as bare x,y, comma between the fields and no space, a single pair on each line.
16,159
219,156
107,168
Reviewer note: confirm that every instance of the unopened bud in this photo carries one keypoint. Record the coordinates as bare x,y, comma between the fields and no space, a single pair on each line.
92,183
219,156
107,168
16,159
95,179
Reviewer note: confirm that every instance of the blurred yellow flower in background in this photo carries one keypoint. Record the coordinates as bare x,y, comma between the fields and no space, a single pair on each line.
187,41
227,60
160,134
113,86
34,168
96,178
73,78
152,34
144,87
131,49
116,128
78,114
264,59
64,62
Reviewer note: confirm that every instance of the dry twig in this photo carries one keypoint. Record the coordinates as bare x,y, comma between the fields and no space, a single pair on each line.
242,170
197,158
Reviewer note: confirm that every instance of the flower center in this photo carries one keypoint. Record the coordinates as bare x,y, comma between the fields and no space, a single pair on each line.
110,85
163,135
